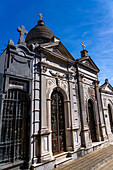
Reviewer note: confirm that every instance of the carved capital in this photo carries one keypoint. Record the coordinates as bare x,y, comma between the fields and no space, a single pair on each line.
80,77
70,76
97,83
43,69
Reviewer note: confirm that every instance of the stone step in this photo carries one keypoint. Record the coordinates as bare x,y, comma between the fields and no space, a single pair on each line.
63,161
60,156
91,160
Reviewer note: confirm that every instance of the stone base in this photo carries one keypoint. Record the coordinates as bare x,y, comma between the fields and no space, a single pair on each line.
84,151
42,166
68,156
12,166
45,157
110,137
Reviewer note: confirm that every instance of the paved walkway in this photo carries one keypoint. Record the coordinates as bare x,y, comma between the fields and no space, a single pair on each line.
93,160
106,166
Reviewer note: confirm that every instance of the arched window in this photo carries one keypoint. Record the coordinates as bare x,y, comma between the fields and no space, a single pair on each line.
57,122
14,139
110,117
92,121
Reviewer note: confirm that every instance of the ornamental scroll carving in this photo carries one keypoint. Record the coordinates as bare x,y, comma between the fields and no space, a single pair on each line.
52,83
64,85
91,92
15,58
57,74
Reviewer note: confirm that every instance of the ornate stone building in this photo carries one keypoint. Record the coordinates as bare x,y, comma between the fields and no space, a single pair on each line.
52,109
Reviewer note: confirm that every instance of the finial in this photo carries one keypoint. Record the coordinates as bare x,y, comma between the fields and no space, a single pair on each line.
83,45
106,80
10,42
40,15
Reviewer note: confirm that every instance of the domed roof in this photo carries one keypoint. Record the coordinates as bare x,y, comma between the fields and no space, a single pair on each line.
40,31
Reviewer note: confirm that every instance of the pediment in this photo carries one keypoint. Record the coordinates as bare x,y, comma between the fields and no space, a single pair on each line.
106,87
63,51
58,49
88,62
55,50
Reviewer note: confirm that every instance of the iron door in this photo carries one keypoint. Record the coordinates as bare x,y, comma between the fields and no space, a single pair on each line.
57,123
110,117
92,122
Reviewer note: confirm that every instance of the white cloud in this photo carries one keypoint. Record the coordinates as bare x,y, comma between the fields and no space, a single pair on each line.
106,32
107,51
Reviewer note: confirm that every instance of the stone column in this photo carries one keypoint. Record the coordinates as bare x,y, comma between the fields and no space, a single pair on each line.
85,139
100,112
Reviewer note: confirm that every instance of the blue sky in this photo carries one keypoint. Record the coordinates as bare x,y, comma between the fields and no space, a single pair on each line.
73,21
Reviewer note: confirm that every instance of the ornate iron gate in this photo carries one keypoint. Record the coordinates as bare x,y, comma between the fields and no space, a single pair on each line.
57,123
14,125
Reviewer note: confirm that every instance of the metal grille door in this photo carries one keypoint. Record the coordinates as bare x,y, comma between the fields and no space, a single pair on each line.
57,123
14,126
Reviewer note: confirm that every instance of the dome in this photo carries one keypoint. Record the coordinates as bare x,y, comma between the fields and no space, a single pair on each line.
40,33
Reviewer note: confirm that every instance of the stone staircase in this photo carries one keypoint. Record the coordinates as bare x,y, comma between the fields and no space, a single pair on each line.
90,161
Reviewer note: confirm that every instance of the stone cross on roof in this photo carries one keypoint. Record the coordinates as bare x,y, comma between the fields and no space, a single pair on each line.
22,33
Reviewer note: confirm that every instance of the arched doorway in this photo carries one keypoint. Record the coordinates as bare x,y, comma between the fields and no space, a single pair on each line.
92,121
57,122
14,141
110,117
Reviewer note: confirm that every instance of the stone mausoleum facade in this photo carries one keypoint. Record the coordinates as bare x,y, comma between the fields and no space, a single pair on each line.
52,109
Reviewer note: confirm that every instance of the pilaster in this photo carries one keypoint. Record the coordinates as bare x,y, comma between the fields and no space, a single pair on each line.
75,130
86,141
100,113
44,131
